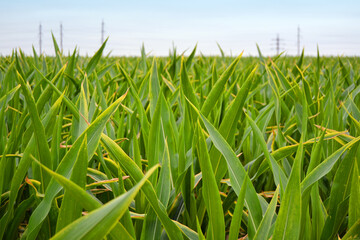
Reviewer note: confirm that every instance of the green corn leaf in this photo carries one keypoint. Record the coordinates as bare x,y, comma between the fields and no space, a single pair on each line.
210,191
186,87
65,168
354,201
228,125
221,51
288,222
152,225
263,122
236,219
279,175
95,59
354,232
317,213
56,46
154,144
237,173
23,167
189,233
70,210
218,88
325,166
98,223
19,214
41,141
79,125
154,89
134,171
191,57
88,202
339,192
265,225
8,96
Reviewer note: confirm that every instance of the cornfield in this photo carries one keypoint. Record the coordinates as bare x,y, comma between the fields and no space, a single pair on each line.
196,147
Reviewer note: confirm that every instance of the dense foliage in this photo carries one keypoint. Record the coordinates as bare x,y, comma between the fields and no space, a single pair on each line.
179,147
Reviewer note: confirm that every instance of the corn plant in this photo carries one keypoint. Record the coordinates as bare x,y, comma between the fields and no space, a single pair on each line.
179,147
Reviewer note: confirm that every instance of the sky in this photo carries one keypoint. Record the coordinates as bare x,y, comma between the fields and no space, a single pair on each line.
236,26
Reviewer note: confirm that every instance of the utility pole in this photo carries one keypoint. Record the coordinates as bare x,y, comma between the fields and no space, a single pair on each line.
102,31
277,44
61,37
298,40
40,35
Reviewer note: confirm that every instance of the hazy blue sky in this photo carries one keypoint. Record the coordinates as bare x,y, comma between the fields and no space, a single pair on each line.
235,25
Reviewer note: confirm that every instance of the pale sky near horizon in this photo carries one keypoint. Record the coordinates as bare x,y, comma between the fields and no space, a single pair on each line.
235,25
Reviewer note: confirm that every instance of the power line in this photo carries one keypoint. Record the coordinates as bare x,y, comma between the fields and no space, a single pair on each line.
294,45
278,42
102,31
